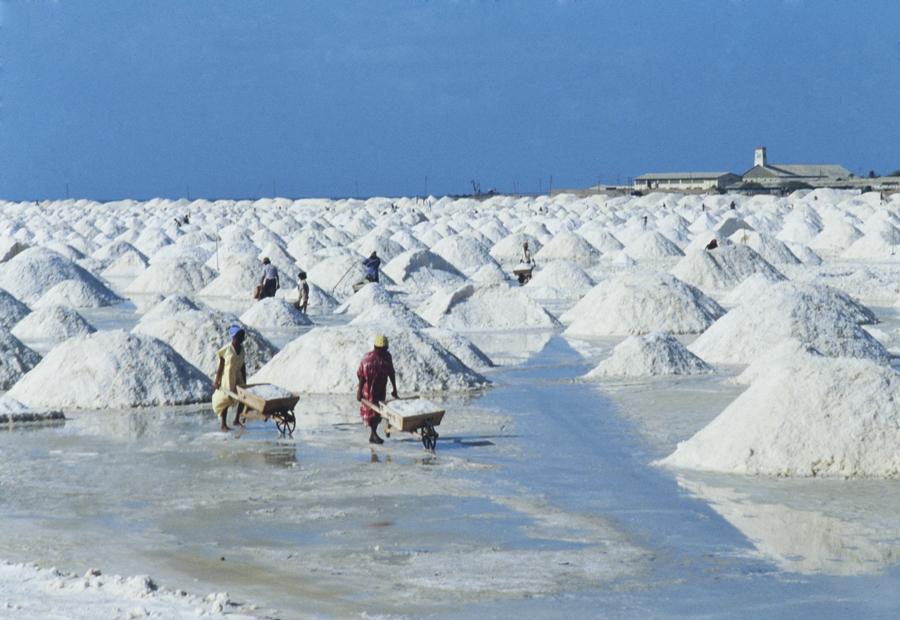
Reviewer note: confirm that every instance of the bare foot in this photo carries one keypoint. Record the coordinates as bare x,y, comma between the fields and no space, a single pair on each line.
224,428
375,439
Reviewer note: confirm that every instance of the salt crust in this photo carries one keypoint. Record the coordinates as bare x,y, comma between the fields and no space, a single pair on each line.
488,307
197,335
78,294
325,360
184,277
640,304
722,268
815,319
36,270
17,359
11,310
655,354
808,417
52,323
274,312
124,370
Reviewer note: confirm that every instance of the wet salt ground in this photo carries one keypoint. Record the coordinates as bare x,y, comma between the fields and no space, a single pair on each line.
539,503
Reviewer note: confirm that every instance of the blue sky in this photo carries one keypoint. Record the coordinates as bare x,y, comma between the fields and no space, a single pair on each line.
127,98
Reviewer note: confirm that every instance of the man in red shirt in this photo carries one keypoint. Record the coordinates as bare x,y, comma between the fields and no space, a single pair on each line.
373,373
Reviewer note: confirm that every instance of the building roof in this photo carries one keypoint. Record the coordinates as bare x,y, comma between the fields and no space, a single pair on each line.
665,176
833,171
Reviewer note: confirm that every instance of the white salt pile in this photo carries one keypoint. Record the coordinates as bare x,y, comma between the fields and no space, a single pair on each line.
757,286
78,294
651,245
722,268
640,304
568,246
52,323
237,279
337,274
813,318
198,334
372,294
509,249
421,270
17,359
324,361
274,312
319,302
463,252
771,249
11,310
811,417
490,273
393,314
170,305
559,279
9,247
111,369
488,307
461,347
10,406
655,354
128,265
184,277
34,271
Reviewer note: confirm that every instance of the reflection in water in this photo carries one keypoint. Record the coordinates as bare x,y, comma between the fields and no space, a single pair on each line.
810,527
510,347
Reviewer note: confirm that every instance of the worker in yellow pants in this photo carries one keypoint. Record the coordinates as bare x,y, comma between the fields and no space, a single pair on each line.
231,373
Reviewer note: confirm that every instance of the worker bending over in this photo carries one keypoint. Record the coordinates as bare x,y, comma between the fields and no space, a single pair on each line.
373,373
230,373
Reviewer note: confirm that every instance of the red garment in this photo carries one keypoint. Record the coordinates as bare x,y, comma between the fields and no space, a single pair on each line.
374,369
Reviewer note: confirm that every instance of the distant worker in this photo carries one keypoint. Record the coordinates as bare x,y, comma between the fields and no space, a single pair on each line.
733,206
526,254
372,264
230,373
644,224
268,283
712,245
302,292
373,373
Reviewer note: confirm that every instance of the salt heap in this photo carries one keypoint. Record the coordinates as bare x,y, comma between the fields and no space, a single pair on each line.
757,286
111,369
17,359
771,249
237,279
53,323
640,304
568,246
812,417
371,294
128,265
509,249
463,252
655,354
273,312
559,279
198,334
488,307
651,245
172,277
461,347
722,268
170,305
421,270
11,310
324,361
34,271
813,317
78,294
393,314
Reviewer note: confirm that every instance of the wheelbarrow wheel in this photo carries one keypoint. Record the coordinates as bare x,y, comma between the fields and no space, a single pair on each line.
429,436
286,423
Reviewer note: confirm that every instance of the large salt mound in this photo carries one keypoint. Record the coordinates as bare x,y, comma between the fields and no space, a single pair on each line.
771,249
274,312
78,294
421,270
569,246
812,417
461,347
237,278
722,268
651,245
463,252
52,323
324,361
874,247
184,277
757,286
111,369
563,276
655,354
815,319
198,334
17,359
509,249
11,310
33,272
371,294
394,314
170,305
128,265
489,307
640,304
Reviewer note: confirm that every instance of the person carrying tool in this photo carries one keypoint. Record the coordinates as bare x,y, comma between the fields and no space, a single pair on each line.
373,373
230,373
268,284
302,292
372,264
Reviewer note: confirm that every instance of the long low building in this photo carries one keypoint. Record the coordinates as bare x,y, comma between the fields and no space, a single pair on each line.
684,181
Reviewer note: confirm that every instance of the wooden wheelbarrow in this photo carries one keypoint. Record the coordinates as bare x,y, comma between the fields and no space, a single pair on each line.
256,407
410,415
